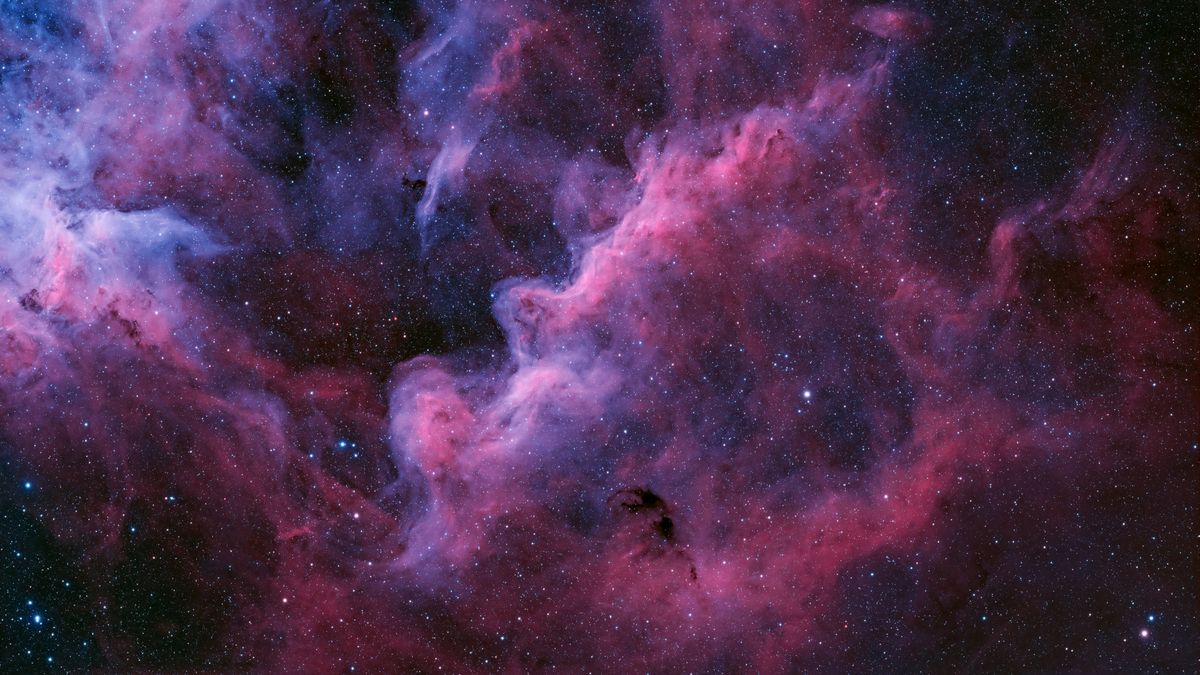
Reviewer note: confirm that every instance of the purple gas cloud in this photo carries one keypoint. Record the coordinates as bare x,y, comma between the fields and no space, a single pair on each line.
598,337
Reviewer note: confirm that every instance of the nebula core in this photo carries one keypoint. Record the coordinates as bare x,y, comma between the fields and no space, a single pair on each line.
633,336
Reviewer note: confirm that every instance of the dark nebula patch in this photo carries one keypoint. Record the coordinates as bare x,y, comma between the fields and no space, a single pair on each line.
643,501
651,336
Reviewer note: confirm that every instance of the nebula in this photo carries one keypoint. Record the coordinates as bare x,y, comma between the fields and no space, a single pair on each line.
638,336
